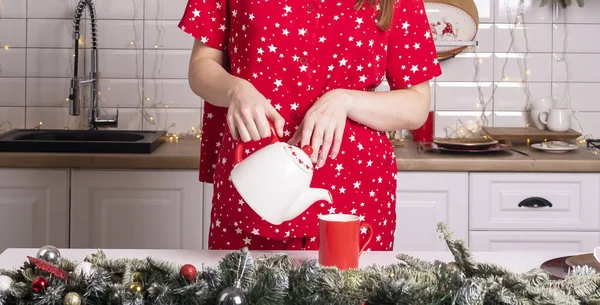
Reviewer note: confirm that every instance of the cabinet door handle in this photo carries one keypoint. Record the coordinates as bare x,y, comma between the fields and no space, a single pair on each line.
535,202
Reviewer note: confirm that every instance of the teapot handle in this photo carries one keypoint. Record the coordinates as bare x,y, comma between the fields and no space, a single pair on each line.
239,149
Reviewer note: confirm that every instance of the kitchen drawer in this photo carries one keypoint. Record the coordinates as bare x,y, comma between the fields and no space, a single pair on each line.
534,241
504,201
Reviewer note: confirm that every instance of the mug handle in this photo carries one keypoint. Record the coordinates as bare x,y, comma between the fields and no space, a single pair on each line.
545,121
239,148
369,236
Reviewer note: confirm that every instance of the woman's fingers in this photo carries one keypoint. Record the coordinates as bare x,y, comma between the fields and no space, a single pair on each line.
337,140
241,129
263,126
248,121
232,127
327,143
317,140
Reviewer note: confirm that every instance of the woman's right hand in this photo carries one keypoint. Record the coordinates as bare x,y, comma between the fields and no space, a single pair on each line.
249,114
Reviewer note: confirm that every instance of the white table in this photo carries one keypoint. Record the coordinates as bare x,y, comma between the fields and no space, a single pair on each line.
516,261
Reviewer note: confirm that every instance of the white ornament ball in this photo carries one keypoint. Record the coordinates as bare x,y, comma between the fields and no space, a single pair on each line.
85,268
5,283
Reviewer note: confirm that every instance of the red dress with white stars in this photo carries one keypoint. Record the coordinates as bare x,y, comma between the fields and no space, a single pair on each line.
293,52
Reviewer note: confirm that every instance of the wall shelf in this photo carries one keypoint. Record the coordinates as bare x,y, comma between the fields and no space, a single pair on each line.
456,43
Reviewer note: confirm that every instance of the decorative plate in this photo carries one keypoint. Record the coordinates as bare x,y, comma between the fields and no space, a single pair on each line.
450,23
495,148
554,148
465,143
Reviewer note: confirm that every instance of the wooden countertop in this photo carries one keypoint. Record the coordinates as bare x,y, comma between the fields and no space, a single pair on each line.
185,154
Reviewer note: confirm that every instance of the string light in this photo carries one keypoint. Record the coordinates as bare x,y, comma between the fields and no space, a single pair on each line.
6,47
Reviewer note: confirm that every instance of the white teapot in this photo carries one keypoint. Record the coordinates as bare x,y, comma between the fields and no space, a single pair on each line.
275,180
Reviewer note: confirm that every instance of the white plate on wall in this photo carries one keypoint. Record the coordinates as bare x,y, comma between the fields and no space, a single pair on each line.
554,149
450,23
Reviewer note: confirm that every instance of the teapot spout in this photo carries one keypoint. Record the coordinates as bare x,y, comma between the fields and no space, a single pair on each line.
308,198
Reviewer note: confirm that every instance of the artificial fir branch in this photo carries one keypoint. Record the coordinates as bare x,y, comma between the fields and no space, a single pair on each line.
281,280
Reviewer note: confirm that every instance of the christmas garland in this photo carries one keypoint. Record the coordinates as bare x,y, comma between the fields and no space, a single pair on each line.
280,280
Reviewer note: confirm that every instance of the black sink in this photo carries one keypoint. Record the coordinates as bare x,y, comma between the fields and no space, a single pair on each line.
81,141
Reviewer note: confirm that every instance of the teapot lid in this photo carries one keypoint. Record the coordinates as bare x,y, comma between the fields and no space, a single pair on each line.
301,157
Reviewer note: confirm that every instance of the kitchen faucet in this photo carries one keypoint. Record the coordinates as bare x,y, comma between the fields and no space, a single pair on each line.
95,119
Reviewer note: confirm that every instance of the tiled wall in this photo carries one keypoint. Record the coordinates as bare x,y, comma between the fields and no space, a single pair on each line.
144,57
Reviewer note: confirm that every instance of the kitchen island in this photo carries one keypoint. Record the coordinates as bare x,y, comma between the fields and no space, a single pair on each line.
495,202
13,258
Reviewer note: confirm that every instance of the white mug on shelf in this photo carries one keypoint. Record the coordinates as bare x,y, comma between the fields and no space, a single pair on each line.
540,105
557,119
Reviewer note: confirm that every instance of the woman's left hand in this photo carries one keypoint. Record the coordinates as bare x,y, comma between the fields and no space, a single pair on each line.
323,125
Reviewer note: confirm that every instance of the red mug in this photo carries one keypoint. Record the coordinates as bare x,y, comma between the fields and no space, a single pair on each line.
339,240
424,134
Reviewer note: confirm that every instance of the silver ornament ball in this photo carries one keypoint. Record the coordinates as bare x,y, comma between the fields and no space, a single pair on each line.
5,283
84,269
49,254
232,296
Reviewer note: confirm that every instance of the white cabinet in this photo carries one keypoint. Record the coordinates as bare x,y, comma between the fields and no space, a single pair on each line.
534,241
535,201
534,212
136,209
34,208
425,198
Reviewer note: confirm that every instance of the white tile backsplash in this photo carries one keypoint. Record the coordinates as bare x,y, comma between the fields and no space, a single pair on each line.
528,37
582,96
13,9
12,33
164,9
513,96
50,8
173,93
522,67
462,68
166,35
120,9
119,92
12,62
462,95
576,66
48,92
12,92
586,14
126,34
50,33
120,63
12,117
144,59
166,63
173,120
577,38
508,11
50,63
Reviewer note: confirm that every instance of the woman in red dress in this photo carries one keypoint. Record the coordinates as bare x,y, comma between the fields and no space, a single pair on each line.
309,66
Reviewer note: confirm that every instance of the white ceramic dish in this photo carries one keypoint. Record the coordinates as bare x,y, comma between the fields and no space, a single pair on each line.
555,148
450,23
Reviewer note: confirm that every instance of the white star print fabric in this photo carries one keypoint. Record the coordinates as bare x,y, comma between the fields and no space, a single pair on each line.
293,52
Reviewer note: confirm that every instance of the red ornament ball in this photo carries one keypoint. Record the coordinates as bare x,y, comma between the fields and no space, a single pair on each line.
39,284
188,272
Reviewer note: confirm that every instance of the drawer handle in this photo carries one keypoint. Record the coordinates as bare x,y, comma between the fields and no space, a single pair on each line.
535,202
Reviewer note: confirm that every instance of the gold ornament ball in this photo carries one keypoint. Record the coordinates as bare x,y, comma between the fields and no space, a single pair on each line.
72,298
135,287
